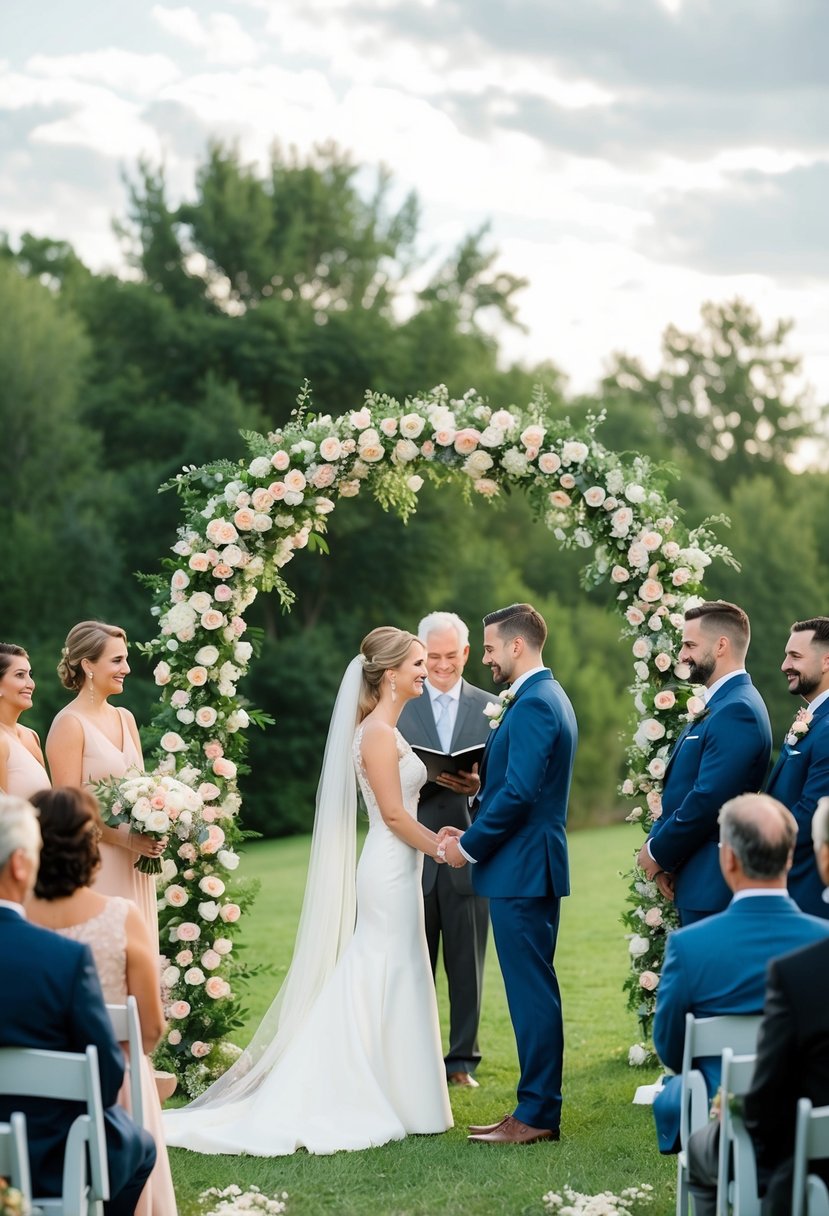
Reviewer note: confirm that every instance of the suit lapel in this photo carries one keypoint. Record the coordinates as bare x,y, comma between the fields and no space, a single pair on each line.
786,750
465,709
426,719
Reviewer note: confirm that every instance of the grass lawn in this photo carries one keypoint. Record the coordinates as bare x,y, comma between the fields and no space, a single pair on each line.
607,1144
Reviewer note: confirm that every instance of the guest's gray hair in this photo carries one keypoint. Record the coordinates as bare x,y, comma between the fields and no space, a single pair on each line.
820,824
19,829
762,833
443,620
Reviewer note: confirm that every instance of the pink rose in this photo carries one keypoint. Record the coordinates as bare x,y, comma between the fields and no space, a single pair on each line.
662,661
174,1037
372,452
243,519
649,980
176,896
638,554
621,521
654,918
199,562
211,885
656,768
238,626
445,436
695,706
486,487
682,671
331,448
650,591
681,576
323,476
652,730
634,616
641,648
224,768
171,742
560,499
595,496
178,1009
216,987
549,462
567,481
360,419
184,958
208,792
427,449
223,593
188,932
208,814
212,619
221,532
223,945
262,499
162,673
533,436
651,540
210,960
654,800
389,427
179,699
467,440
619,575
280,461
199,1049
213,842
213,749
206,716
277,490
230,913
664,700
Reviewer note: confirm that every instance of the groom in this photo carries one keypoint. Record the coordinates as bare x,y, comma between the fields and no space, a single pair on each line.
518,849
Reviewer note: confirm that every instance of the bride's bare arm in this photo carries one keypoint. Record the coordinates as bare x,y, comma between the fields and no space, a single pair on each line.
382,766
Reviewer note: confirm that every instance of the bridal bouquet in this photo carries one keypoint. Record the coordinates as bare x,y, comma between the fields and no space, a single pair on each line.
153,804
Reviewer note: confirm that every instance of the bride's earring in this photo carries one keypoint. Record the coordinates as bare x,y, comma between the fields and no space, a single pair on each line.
393,682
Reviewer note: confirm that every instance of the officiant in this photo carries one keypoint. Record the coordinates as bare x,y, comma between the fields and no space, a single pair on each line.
449,718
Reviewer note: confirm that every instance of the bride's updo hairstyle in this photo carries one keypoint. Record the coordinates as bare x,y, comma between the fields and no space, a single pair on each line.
381,650
70,824
84,641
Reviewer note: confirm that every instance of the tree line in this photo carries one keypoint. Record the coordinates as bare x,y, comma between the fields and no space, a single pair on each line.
110,383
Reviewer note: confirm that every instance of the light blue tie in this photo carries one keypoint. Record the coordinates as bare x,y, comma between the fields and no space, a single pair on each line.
443,721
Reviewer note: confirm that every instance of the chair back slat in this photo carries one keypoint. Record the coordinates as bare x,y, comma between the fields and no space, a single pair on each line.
126,1025
14,1154
737,1165
811,1142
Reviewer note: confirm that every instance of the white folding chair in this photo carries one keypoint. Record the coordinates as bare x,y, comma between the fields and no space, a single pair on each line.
14,1155
705,1037
126,1025
73,1077
737,1174
810,1196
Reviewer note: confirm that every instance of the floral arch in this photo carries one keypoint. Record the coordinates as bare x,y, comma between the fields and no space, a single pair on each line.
244,523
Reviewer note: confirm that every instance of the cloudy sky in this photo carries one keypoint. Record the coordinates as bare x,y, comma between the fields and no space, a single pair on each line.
635,157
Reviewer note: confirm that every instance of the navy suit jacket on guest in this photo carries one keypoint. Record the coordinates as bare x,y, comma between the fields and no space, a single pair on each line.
518,837
52,999
798,779
714,967
720,755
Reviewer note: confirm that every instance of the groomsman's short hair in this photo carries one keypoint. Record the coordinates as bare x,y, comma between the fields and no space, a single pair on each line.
520,621
443,620
762,843
722,617
820,624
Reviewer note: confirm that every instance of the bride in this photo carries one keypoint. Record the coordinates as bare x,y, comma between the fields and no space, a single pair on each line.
349,1054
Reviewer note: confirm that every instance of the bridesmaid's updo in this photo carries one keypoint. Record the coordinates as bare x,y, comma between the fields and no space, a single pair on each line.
9,651
382,649
84,641
70,825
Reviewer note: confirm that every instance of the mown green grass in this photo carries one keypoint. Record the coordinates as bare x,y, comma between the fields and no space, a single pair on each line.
607,1143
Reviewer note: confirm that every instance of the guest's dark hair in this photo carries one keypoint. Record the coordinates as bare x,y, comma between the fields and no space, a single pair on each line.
719,616
519,621
820,624
762,843
9,651
70,825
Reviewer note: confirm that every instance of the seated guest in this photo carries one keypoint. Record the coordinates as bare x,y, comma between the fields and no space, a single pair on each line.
718,965
114,930
792,1052
52,999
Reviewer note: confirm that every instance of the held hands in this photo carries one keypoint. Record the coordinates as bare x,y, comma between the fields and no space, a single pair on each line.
664,881
647,863
448,850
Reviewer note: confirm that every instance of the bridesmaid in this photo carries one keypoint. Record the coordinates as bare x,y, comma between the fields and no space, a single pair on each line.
21,760
114,930
91,740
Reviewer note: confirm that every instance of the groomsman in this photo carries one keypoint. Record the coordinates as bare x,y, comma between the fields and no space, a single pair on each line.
517,847
450,716
801,775
722,753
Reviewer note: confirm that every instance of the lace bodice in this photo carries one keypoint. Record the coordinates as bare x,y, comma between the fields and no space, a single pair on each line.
412,776
106,936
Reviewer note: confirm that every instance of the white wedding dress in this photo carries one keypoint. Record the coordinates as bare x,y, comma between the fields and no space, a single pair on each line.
366,1066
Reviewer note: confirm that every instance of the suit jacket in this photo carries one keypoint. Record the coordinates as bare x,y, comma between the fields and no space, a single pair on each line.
439,807
798,779
718,966
792,1053
53,1000
518,836
721,755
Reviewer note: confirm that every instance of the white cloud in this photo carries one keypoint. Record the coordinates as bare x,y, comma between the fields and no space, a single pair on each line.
139,75
220,37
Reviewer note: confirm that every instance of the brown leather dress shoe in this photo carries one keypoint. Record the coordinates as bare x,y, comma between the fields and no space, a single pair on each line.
483,1129
463,1078
513,1131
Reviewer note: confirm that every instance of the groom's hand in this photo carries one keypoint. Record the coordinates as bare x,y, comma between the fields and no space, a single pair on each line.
454,857
647,863
446,832
666,884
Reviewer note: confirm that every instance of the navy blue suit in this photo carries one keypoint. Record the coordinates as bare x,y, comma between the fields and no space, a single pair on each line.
798,779
718,966
722,754
53,1000
519,843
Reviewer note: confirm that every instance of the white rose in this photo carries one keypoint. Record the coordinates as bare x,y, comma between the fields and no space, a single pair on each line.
157,821
194,976
637,1056
209,910
634,493
573,452
228,859
411,425
639,945
260,466
171,742
207,656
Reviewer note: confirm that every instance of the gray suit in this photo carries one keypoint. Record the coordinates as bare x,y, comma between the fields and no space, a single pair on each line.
450,904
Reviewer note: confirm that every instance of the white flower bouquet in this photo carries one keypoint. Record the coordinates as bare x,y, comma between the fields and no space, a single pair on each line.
150,803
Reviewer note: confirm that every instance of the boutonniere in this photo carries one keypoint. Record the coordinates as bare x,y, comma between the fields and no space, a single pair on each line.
495,710
697,709
800,726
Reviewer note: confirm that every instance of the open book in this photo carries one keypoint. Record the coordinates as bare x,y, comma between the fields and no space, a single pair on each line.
438,762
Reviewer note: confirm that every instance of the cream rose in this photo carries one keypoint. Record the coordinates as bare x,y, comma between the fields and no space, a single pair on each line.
653,730
486,487
650,591
176,896
411,425
199,1049
230,913
212,619
223,945
212,886
560,499
210,960
549,462
188,932
656,768
619,575
178,1009
171,742
649,980
662,661
533,436
216,987
206,716
594,497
